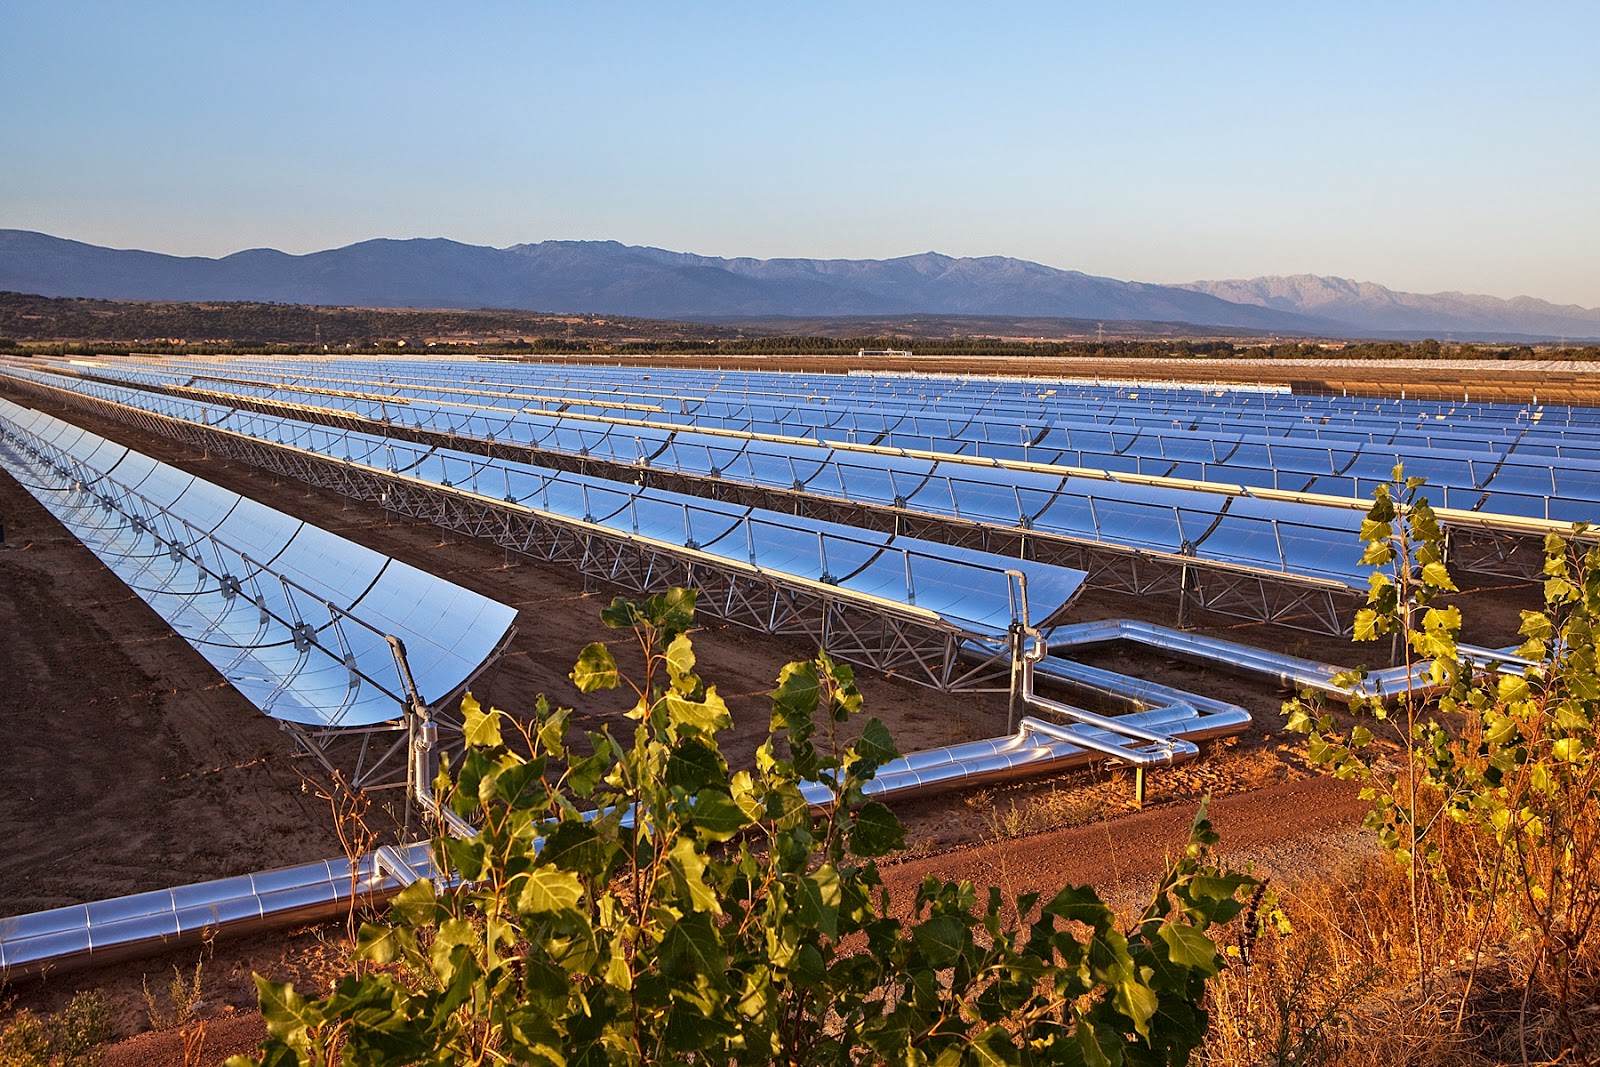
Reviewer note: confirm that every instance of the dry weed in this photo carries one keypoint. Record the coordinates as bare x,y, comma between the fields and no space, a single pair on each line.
1344,988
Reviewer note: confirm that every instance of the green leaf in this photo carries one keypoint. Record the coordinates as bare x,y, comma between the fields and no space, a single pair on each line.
1366,625
1079,904
994,1047
1374,530
672,612
1568,749
377,943
575,846
1138,1002
680,663
717,816
286,1012
620,614
482,728
1189,947
617,974
1378,554
416,905
547,889
596,669
1099,1045
940,939
875,747
690,867
1436,575
787,807
817,900
797,692
695,764
518,785
692,950
552,729
1512,688
877,831
704,716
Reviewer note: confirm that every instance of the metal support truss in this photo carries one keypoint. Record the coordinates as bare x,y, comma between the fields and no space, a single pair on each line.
365,757
911,644
1496,552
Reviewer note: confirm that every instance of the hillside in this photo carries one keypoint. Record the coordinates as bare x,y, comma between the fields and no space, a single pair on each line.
1368,307
607,278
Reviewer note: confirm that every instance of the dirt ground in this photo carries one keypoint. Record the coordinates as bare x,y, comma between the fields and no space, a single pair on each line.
133,767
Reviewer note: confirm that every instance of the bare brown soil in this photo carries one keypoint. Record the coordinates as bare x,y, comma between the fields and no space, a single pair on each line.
131,766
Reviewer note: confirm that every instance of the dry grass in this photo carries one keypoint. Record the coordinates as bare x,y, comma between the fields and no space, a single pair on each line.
1345,988
1035,812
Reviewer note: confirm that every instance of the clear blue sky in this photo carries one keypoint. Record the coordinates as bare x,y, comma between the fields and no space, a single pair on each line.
1423,146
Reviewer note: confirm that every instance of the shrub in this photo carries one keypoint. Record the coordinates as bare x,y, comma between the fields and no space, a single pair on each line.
1483,790
641,902
71,1036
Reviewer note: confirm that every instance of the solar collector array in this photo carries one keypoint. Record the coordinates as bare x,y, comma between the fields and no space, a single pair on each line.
1460,477
293,616
1281,536
691,392
1304,539
971,590
856,407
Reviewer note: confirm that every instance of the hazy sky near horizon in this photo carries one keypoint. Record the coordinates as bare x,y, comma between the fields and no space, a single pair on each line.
1424,146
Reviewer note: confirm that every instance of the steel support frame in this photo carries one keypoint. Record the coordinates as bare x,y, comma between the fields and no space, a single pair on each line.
366,757
1496,552
903,645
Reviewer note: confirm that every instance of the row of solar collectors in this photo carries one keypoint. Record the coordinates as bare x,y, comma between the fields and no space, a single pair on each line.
696,393
683,391
861,418
237,580
1465,481
1503,486
1343,470
1229,528
972,590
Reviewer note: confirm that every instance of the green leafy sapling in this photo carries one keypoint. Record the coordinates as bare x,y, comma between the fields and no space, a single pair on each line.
633,901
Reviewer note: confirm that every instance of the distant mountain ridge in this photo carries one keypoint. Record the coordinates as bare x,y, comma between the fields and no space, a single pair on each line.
1376,308
606,277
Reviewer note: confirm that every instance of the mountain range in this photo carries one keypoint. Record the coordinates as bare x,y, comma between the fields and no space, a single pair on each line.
606,277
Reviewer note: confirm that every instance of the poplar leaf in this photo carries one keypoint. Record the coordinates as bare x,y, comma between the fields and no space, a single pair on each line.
1436,575
482,728
1188,947
596,669
546,889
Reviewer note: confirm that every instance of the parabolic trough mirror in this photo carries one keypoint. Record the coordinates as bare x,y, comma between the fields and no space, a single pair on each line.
297,619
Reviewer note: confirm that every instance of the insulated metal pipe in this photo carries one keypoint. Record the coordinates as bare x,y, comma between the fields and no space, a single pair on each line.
1288,671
